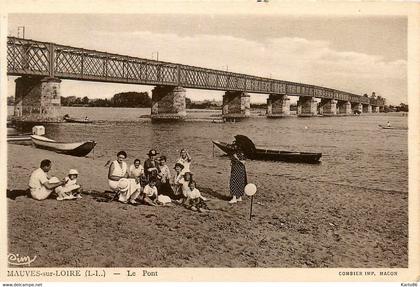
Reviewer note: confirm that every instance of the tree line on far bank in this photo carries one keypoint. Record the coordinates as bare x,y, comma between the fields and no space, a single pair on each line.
142,100
124,100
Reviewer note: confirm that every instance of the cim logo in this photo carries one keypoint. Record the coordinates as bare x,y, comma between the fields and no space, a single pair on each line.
17,260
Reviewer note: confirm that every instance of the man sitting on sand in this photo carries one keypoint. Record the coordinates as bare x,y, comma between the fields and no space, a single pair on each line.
40,186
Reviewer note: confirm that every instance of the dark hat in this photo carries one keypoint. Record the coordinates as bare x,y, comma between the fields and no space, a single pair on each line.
162,158
152,152
179,164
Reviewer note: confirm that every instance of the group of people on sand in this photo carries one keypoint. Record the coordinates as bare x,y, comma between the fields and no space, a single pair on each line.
152,183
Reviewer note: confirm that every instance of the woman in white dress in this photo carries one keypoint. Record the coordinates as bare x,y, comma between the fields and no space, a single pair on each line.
128,189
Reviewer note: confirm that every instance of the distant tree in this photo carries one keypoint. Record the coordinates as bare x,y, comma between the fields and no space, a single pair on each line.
258,106
77,101
100,103
85,100
402,108
68,101
131,99
188,103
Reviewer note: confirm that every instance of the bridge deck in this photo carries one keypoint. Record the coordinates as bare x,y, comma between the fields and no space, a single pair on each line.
35,58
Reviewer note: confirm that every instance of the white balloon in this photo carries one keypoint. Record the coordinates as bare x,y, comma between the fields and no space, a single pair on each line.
250,189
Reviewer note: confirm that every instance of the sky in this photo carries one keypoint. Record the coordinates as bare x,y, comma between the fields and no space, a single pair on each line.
354,54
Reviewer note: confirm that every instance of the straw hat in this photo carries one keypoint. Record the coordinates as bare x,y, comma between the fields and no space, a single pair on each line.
73,171
123,184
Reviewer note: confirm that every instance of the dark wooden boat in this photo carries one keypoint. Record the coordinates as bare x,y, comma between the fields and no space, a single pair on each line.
75,149
391,128
69,119
254,153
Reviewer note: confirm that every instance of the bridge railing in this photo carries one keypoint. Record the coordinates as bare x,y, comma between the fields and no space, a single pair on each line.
29,57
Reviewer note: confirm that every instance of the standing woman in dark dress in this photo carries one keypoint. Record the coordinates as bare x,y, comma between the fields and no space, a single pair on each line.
238,178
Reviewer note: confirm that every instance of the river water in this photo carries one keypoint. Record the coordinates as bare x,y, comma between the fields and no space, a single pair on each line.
356,152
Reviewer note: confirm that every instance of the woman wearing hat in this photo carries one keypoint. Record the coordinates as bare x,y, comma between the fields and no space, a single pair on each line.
151,165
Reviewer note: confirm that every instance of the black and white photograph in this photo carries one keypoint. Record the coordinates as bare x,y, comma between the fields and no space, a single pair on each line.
208,139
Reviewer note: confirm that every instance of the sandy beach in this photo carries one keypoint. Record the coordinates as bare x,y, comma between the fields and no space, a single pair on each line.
307,224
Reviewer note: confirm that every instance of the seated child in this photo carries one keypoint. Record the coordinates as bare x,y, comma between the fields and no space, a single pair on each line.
194,200
70,190
184,183
150,193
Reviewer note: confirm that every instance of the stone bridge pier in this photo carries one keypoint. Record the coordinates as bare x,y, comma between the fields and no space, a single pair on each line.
367,108
37,99
344,108
236,106
307,106
278,106
357,107
168,103
328,107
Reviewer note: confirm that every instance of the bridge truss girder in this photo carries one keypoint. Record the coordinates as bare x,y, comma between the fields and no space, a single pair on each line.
35,58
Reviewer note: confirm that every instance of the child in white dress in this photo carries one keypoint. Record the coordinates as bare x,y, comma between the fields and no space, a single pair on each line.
70,190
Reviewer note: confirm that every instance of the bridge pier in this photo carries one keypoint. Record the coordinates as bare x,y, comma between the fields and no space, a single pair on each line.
236,106
367,109
278,106
37,99
344,108
307,106
328,107
375,109
357,107
168,104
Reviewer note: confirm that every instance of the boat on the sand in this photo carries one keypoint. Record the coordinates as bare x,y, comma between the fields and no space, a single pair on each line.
252,152
75,149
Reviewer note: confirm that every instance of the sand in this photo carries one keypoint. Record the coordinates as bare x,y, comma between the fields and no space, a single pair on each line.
310,224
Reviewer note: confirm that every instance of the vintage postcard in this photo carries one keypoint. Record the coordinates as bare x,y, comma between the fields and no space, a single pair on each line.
209,141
